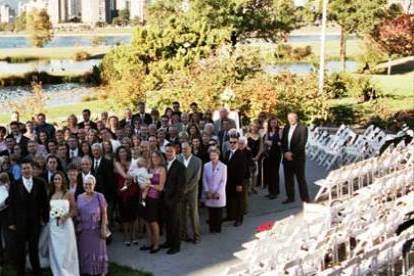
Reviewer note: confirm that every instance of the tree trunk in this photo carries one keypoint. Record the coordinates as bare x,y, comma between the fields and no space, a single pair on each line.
389,65
342,49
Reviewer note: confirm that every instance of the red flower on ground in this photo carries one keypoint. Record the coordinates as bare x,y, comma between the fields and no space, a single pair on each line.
265,226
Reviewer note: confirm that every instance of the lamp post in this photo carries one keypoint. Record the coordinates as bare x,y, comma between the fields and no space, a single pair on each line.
322,51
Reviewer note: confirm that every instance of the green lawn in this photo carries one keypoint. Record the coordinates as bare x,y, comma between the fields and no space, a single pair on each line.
398,92
60,113
354,48
114,270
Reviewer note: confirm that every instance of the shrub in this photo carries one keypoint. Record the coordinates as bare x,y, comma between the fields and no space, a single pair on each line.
287,52
337,85
364,90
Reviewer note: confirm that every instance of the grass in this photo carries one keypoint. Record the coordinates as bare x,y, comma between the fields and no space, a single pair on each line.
114,270
60,113
29,54
354,48
398,92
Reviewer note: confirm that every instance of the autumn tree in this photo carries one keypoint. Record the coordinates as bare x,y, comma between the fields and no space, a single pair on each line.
395,37
39,27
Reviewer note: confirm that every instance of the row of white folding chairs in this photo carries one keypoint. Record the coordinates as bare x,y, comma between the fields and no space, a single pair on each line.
364,172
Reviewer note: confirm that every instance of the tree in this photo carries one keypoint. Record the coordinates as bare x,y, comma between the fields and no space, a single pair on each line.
20,22
355,16
122,19
395,36
39,27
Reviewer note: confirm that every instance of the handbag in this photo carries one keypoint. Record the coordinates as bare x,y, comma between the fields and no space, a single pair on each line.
108,232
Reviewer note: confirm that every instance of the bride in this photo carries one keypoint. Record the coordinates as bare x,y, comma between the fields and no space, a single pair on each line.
63,253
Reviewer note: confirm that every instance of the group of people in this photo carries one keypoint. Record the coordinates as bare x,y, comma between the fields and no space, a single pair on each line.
70,186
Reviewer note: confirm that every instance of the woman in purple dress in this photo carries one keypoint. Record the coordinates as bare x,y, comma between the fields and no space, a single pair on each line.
91,229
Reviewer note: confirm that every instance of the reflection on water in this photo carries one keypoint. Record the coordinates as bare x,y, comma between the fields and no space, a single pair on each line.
303,68
50,66
57,94
110,40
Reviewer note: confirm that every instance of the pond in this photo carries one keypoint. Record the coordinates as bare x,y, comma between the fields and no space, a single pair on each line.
56,94
110,40
49,66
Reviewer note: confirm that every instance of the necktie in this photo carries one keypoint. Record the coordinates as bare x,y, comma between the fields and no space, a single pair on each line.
71,154
96,165
231,155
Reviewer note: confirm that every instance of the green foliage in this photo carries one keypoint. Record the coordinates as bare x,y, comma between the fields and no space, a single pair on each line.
336,85
20,22
122,19
288,52
363,89
371,57
6,27
39,27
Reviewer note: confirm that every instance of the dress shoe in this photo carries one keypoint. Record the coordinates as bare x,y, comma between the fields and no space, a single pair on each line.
154,251
237,223
165,245
173,251
287,201
145,248
271,197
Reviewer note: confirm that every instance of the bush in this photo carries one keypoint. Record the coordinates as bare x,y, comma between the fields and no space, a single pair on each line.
336,85
82,55
363,89
287,52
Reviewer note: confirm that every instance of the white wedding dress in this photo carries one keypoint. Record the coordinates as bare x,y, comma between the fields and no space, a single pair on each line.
63,251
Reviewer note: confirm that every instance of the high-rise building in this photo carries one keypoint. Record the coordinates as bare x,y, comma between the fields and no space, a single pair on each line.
74,9
7,14
122,5
58,11
96,11
136,9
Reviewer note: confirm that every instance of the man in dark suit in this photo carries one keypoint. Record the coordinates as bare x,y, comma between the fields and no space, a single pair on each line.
86,114
237,166
173,198
103,169
294,140
19,138
193,167
144,118
86,169
28,209
9,141
127,120
42,126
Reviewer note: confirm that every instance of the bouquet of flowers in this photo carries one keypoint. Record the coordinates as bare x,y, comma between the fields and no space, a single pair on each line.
57,213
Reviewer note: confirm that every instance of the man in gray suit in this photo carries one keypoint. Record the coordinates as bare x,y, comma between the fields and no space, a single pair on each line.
193,167
224,116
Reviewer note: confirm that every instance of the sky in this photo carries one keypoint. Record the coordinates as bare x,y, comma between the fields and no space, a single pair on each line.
12,3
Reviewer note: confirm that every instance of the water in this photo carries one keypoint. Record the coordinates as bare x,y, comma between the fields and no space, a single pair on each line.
63,41
110,40
56,94
304,68
49,66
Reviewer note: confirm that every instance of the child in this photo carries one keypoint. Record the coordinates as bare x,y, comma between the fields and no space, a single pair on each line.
142,177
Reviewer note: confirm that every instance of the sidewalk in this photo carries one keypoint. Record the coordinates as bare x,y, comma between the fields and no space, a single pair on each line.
215,252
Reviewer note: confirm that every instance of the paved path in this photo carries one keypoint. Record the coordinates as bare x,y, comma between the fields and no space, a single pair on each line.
215,252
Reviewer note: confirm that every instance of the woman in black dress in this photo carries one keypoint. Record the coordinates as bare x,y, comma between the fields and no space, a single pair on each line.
272,157
254,143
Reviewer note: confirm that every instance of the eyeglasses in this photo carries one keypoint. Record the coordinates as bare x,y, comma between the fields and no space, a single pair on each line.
232,142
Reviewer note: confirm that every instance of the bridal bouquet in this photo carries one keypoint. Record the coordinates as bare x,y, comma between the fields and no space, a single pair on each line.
57,213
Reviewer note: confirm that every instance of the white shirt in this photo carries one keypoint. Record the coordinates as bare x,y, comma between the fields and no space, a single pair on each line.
85,175
169,163
290,134
163,145
115,145
17,138
73,153
96,163
28,183
187,161
231,154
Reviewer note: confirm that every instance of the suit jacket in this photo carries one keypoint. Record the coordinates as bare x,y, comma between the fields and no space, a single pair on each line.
26,210
79,187
22,143
147,118
192,173
105,178
298,142
175,184
123,123
218,124
91,124
236,170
